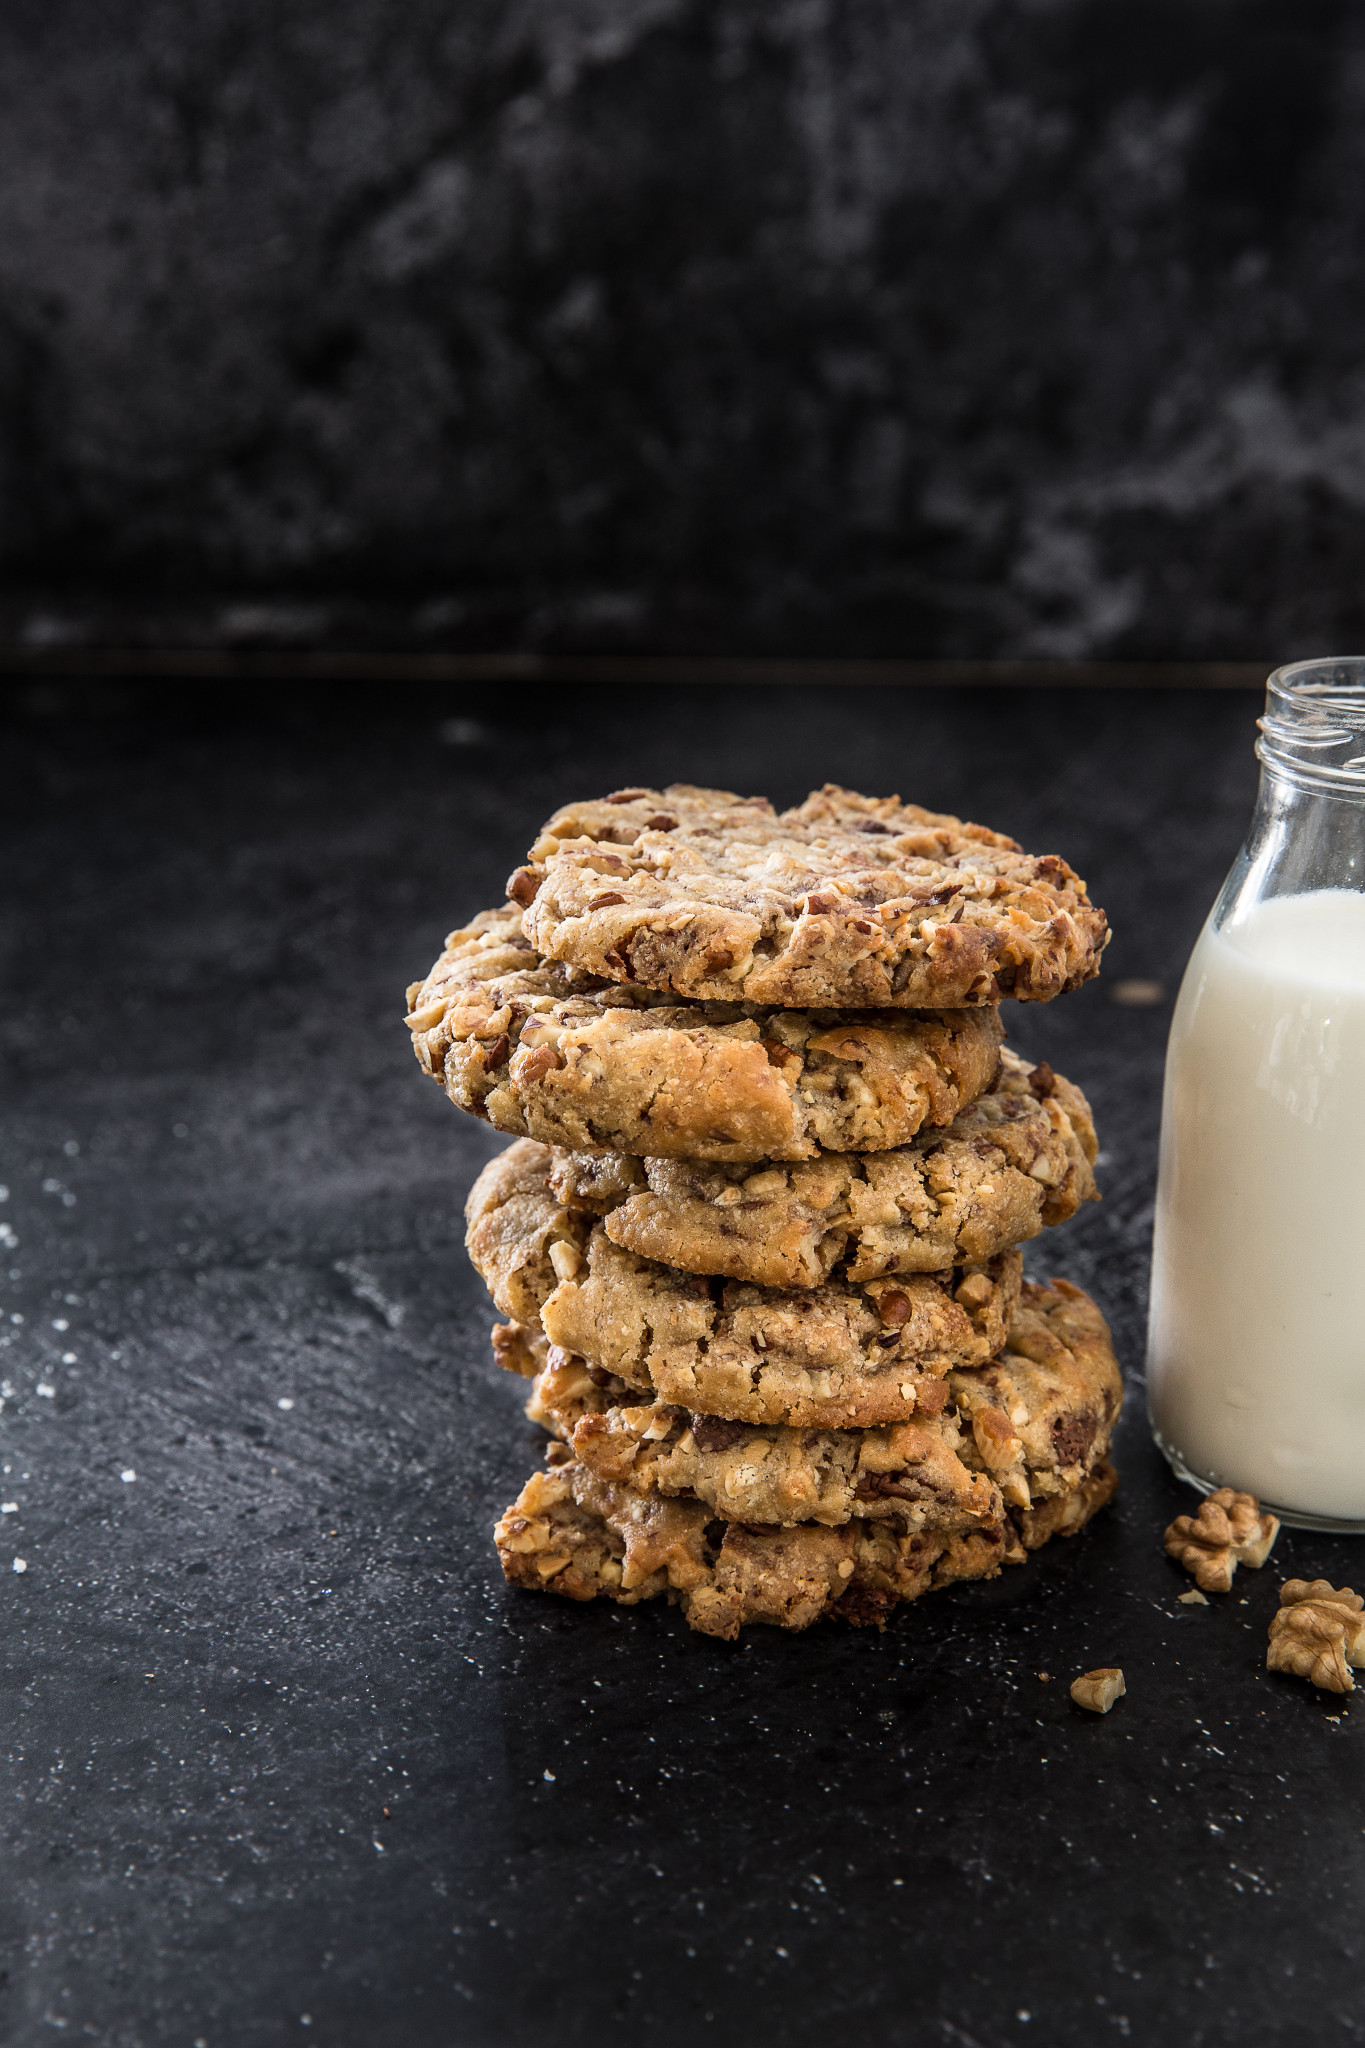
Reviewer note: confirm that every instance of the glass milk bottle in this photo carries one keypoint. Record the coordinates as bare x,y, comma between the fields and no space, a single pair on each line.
1256,1356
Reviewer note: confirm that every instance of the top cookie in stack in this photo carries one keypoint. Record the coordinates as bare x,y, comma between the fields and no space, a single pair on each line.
688,987
844,900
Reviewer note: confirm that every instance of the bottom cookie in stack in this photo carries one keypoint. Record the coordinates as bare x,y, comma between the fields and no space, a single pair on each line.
739,1523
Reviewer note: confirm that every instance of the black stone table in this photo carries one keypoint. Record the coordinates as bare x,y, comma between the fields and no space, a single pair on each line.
284,1760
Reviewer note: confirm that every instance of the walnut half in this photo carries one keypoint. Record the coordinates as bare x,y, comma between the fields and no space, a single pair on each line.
1228,1530
1318,1633
1098,1690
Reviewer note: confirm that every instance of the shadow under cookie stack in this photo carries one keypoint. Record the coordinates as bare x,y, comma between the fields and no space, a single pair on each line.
758,1236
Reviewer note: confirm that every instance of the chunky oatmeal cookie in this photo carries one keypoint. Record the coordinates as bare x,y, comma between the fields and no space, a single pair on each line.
844,1354
910,1474
572,1533
1019,1158
845,899
1028,1427
545,1051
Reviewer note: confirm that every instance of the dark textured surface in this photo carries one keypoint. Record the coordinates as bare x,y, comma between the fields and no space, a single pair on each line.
955,327
283,1759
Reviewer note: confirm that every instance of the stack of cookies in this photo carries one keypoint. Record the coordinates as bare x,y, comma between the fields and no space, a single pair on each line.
758,1238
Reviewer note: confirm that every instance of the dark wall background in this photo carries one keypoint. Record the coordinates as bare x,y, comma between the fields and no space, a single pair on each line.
936,327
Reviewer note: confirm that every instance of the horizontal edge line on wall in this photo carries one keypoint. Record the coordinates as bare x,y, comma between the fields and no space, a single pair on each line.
341,665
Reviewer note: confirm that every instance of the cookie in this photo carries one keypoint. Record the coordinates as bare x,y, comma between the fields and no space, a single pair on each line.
544,1051
910,1474
851,900
841,1355
1029,1426
572,1533
1019,1158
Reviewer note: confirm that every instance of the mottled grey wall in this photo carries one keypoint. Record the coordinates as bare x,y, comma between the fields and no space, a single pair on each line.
872,326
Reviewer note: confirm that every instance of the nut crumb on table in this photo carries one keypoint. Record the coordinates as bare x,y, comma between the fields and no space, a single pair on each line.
1318,1633
1097,1690
1228,1530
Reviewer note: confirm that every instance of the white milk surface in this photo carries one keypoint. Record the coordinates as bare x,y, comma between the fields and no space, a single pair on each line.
1256,1364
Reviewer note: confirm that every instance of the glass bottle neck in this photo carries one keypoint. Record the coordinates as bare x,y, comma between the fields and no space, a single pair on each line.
1304,835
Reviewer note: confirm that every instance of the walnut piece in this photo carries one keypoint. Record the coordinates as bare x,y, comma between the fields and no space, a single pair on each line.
1228,1530
1098,1690
1318,1634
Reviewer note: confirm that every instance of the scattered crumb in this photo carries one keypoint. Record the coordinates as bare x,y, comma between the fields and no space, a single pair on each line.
1097,1690
284,1403
549,1777
20,1564
127,1475
1046,1677
44,1391
1318,1633
1228,1530
1194,1598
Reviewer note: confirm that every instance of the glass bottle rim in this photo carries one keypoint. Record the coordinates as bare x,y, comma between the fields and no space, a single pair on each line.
1312,731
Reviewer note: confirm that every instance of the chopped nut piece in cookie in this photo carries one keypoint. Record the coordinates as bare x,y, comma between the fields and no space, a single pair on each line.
1228,1530
1098,1690
1318,1634
519,1348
